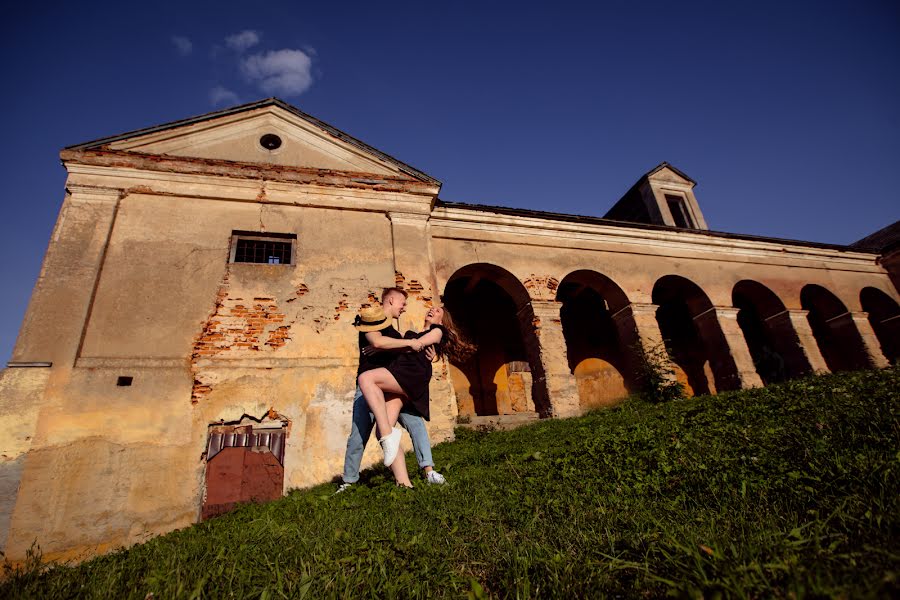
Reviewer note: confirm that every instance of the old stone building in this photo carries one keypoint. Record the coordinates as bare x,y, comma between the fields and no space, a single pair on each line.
190,327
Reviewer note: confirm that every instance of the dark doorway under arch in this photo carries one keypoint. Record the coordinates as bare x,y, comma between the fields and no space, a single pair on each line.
884,316
597,357
834,329
694,340
486,303
770,337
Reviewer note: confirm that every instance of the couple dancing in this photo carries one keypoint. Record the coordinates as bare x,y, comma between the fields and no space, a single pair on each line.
393,378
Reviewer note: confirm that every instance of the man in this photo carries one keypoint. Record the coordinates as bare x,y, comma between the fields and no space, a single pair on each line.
393,302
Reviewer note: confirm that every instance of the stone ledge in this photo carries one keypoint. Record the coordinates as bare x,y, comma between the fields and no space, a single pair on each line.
500,421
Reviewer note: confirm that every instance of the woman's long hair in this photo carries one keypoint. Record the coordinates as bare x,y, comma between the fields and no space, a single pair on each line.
454,345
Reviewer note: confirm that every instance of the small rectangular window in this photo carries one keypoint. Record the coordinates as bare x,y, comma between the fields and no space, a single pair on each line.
679,212
263,248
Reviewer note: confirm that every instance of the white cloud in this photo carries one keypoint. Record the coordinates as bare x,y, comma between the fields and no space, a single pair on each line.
221,95
279,72
243,40
182,44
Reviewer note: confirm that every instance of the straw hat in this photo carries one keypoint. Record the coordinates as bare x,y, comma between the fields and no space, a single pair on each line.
371,318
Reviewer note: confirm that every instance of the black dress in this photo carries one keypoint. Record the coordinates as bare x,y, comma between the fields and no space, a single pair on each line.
412,370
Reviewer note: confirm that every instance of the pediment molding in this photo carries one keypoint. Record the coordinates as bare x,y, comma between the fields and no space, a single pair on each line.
234,135
667,174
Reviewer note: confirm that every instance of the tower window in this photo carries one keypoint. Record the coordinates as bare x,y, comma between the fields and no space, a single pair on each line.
679,211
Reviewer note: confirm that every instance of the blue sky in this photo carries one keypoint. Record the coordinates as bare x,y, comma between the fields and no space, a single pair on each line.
786,114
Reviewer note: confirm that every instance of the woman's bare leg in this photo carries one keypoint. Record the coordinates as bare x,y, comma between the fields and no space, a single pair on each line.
398,467
373,385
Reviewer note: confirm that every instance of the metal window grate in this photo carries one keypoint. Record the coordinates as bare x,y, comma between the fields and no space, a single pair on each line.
241,437
262,251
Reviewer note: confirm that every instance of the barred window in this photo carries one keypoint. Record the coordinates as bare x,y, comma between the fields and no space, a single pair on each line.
259,248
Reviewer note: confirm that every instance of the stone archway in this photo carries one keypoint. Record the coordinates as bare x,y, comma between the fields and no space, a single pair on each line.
598,356
696,344
487,303
771,339
834,329
884,316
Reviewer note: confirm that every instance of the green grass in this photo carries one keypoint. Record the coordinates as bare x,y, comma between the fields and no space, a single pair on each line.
789,491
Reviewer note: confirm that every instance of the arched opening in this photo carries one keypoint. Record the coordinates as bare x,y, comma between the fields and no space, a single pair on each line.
488,305
884,315
694,340
767,328
834,329
598,357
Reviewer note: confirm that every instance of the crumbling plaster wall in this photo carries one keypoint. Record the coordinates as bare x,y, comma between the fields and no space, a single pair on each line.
205,341
106,464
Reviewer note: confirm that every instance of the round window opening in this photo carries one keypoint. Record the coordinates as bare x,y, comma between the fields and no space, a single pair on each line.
270,141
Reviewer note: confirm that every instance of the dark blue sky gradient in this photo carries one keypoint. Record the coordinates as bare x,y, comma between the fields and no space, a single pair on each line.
787,114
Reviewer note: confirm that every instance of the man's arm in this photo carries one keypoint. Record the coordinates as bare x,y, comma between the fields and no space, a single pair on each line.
382,342
430,354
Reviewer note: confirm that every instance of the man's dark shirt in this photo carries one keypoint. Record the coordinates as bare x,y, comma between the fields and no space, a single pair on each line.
379,359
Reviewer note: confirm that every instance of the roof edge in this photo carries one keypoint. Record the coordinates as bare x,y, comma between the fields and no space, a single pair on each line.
521,212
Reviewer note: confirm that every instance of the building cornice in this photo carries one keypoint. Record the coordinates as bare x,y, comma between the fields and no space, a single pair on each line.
119,159
638,239
263,191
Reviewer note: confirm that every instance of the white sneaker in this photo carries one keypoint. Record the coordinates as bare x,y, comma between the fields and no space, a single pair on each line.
390,444
343,487
435,478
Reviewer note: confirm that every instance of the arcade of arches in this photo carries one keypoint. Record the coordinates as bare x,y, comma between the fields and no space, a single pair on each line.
571,346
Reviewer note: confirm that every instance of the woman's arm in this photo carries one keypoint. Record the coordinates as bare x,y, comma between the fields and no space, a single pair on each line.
434,336
383,342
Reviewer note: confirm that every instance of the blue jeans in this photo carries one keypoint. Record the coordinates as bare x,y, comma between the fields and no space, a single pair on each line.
364,422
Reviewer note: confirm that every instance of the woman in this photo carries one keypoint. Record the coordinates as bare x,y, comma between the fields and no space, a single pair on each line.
406,379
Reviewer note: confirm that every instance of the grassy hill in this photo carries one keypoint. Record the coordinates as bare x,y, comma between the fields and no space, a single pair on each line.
789,491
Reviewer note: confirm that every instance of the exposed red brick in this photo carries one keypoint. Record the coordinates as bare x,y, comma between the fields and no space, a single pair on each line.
414,287
541,286
234,326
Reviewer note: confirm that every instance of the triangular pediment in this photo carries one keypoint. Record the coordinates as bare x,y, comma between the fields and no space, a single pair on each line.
236,134
664,172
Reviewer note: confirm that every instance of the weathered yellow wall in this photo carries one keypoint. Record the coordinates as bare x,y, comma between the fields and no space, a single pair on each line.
205,341
21,395
600,384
